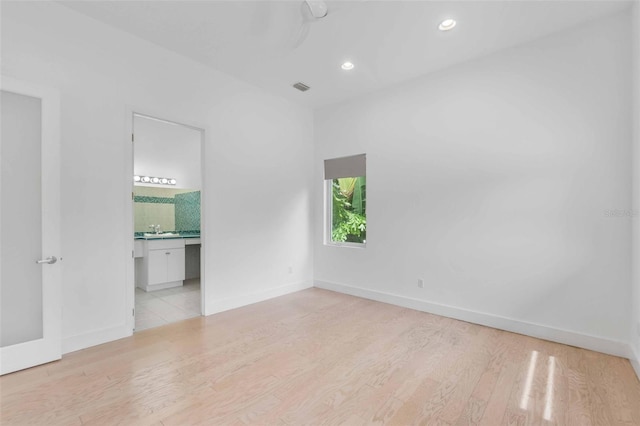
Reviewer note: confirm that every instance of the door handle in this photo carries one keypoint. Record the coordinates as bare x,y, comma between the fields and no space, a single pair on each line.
50,260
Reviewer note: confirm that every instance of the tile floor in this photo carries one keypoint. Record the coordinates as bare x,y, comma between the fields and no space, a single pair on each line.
166,306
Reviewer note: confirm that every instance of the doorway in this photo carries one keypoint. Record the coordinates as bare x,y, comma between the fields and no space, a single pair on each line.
167,221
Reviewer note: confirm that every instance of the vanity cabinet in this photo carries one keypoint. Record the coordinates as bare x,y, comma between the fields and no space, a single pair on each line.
162,264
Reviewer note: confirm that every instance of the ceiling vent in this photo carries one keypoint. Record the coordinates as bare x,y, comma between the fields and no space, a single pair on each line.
301,87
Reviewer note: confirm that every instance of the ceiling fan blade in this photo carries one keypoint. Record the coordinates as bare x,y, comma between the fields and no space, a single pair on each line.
317,8
261,19
302,34
284,25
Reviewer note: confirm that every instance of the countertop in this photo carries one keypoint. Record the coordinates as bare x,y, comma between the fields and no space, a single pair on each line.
139,242
168,237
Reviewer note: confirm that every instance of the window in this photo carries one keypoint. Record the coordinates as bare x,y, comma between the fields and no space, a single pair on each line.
346,200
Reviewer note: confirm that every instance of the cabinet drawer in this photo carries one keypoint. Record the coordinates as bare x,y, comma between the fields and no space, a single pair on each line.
165,244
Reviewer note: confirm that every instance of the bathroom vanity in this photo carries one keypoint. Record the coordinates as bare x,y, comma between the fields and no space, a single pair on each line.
162,262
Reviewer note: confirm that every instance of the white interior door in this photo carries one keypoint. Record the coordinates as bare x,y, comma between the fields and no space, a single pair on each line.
30,270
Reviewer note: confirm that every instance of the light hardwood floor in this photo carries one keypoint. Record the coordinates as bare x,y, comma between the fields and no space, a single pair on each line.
318,357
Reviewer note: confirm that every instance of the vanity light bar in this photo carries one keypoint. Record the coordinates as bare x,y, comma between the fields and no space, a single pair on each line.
156,180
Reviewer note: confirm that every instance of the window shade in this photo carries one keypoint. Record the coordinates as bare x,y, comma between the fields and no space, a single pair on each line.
352,166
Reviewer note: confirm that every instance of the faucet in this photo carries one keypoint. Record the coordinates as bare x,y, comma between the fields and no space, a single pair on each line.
156,228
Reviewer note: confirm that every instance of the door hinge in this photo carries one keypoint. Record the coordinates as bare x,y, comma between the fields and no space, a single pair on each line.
133,312
132,138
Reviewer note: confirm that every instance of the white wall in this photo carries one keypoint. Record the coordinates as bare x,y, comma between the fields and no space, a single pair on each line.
257,176
167,150
491,180
635,323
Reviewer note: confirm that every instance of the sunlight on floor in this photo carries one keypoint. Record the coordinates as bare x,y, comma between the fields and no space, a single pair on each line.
531,373
548,406
524,401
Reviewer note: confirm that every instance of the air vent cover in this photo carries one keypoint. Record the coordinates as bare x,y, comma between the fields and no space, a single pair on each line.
301,87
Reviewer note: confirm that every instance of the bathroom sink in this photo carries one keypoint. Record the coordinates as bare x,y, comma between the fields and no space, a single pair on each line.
162,235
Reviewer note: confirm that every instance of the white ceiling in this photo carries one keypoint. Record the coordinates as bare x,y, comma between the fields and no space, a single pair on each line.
388,41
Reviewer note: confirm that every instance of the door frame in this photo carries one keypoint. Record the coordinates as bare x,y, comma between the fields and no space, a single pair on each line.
130,113
49,347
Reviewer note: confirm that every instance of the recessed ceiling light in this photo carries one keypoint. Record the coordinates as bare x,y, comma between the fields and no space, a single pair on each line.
447,24
347,66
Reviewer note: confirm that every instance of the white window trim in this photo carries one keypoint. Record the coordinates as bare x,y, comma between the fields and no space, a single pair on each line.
328,217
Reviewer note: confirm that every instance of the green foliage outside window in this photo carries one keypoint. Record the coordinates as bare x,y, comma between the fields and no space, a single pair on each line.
349,217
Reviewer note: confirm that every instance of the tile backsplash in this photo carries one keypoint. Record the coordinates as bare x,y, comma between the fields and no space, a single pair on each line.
172,209
187,211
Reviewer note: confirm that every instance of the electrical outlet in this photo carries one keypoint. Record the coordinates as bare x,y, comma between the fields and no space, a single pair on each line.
420,283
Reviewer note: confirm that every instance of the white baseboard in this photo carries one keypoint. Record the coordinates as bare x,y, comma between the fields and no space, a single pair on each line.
93,338
229,303
594,343
98,337
154,287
